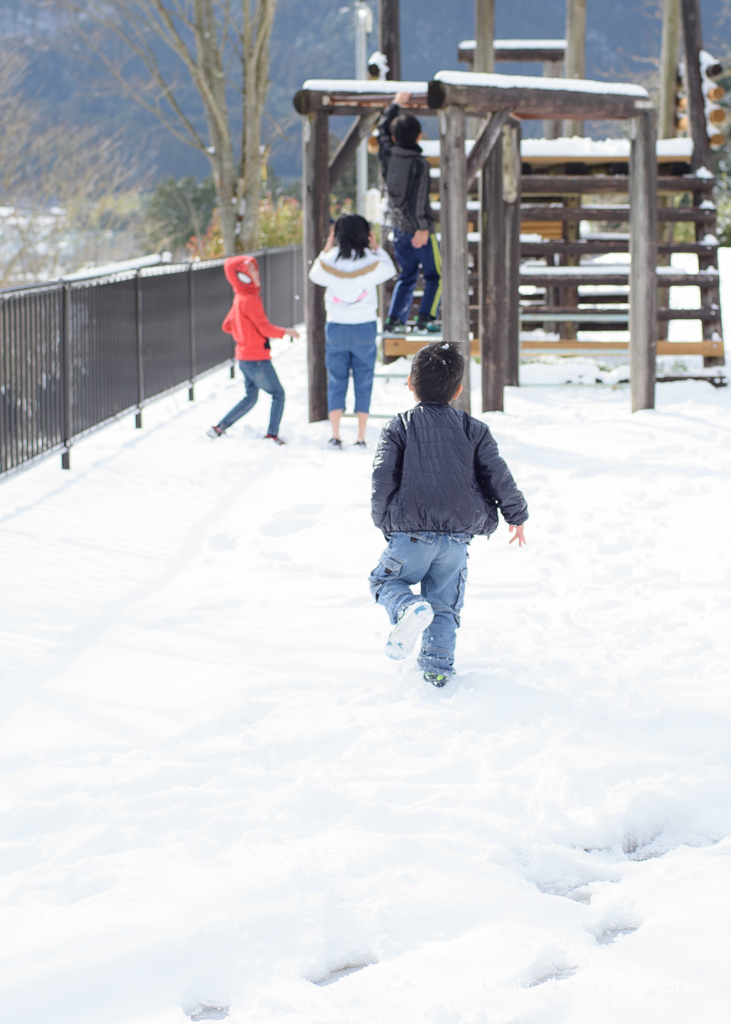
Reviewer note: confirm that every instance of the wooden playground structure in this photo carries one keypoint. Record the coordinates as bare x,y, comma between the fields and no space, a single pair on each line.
511,210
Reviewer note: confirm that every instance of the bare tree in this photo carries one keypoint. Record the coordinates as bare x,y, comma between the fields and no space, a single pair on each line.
65,196
208,37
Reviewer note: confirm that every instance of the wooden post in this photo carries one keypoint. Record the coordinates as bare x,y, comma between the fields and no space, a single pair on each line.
484,60
389,33
643,259
316,195
693,44
511,214
552,69
666,128
491,278
453,195
575,52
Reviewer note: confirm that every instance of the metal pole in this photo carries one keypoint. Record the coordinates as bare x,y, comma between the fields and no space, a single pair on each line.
643,258
669,68
575,52
140,357
484,60
363,27
68,396
453,194
191,335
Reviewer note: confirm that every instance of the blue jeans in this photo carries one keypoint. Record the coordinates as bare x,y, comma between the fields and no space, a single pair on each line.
350,347
259,375
438,561
410,259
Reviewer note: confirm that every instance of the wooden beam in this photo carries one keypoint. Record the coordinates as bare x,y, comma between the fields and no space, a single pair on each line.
575,53
453,195
484,143
669,53
691,214
511,217
359,130
552,69
491,281
643,261
395,347
316,197
484,57
693,44
664,348
347,102
664,280
513,53
557,185
532,101
389,36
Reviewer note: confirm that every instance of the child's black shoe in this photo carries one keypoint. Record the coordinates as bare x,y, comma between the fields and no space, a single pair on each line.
437,678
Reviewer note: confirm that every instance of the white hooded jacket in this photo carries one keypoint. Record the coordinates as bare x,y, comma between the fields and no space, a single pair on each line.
350,284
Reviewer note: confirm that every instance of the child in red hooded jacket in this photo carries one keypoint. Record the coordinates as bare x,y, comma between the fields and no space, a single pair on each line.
251,329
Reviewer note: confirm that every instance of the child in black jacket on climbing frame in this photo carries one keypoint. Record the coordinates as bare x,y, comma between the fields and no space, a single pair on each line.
438,480
406,174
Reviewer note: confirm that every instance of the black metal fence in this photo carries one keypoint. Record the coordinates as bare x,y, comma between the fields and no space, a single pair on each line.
75,355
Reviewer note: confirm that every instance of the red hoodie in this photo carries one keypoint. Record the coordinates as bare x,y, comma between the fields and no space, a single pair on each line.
246,319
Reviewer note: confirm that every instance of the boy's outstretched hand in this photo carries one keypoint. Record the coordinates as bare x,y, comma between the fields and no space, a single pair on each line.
401,98
518,536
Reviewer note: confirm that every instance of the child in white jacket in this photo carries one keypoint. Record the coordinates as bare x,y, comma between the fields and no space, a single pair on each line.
350,267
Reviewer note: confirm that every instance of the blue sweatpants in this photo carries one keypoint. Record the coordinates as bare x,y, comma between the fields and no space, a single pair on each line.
410,260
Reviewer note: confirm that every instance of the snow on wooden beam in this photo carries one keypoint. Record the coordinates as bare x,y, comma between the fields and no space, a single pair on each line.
353,96
532,97
509,50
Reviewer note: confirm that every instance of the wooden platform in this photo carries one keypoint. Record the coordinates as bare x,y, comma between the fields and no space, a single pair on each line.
400,345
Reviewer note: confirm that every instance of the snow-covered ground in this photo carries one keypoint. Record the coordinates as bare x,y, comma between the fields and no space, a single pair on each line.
217,791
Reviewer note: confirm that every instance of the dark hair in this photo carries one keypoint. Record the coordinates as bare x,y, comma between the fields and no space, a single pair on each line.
436,372
351,235
406,129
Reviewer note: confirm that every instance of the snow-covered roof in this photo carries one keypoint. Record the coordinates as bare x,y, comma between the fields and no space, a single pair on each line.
609,148
518,44
578,148
546,84
362,85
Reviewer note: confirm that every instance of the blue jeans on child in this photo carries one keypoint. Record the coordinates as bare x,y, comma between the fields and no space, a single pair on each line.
410,259
438,561
350,347
259,375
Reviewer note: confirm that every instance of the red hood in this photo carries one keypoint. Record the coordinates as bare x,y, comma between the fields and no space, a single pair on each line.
231,268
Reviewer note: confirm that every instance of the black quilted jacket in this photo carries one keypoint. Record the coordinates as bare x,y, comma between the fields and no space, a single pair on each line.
438,470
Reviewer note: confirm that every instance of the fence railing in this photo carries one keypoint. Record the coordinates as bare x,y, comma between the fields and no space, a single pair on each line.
75,355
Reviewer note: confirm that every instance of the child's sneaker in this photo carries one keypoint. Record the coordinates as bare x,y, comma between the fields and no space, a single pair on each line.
437,678
359,444
335,443
275,438
394,327
426,325
214,432
412,622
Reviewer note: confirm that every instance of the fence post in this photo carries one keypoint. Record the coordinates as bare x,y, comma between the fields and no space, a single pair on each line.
67,376
140,357
191,334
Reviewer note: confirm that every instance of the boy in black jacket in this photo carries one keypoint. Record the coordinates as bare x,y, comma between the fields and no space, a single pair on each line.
438,480
406,174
